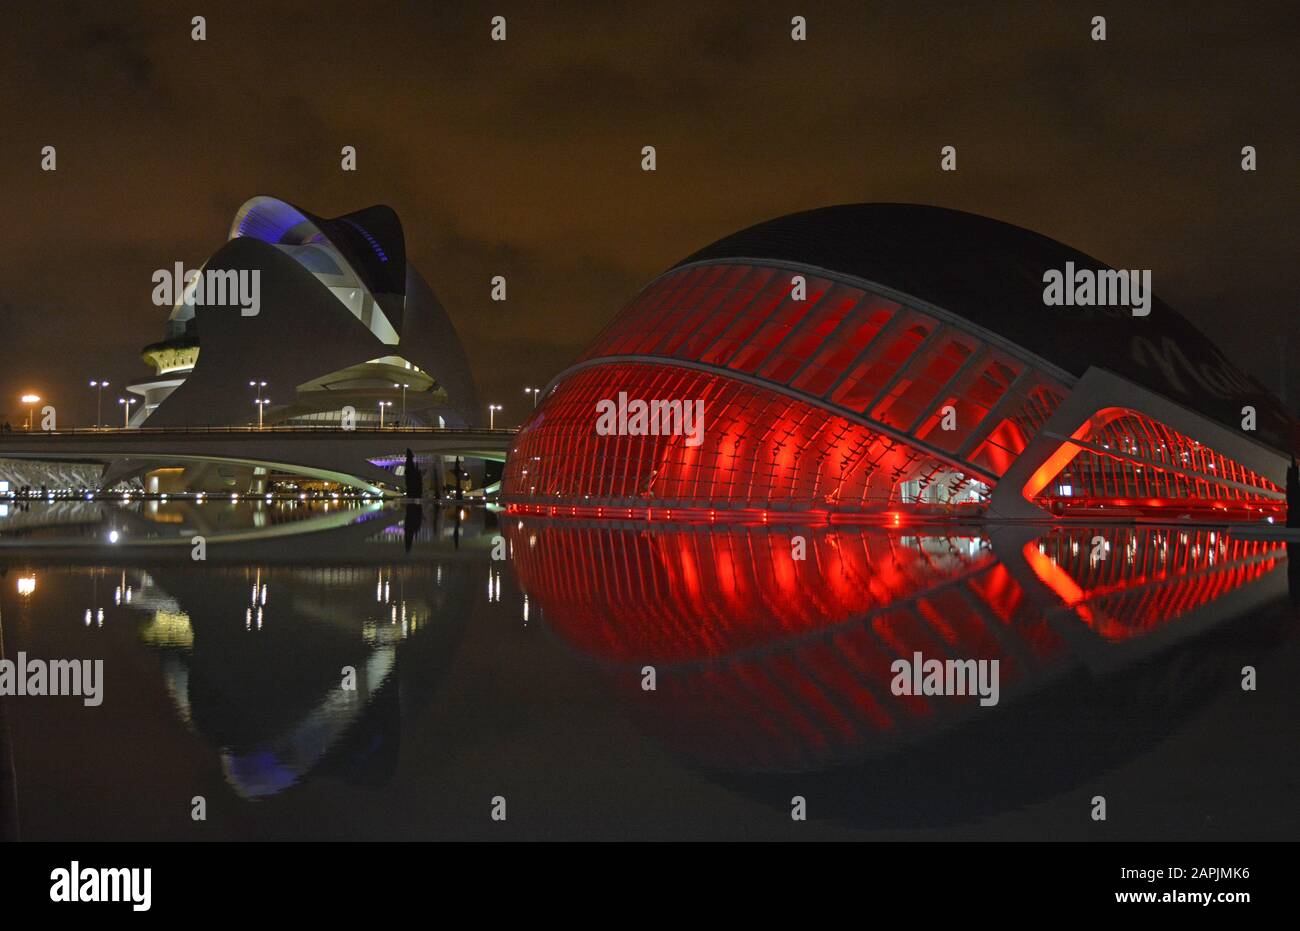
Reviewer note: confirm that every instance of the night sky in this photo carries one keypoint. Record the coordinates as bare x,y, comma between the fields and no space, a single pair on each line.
522,158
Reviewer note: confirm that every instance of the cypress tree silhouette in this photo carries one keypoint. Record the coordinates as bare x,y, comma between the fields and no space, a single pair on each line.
414,480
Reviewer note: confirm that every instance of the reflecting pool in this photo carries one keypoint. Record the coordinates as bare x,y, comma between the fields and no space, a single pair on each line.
353,670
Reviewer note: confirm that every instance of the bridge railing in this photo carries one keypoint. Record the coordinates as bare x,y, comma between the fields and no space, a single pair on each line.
172,431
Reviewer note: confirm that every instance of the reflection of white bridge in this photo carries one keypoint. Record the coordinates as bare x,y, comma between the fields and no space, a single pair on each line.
329,453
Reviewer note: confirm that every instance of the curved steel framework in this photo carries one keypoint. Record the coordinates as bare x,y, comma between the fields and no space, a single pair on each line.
823,392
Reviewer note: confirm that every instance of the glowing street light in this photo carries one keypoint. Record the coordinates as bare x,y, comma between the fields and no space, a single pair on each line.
99,400
31,400
534,392
261,406
492,415
126,411
403,386
259,385
382,405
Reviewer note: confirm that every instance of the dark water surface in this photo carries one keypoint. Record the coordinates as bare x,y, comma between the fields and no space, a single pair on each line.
1120,676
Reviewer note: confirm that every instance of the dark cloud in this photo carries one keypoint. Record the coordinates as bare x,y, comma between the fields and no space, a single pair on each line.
114,50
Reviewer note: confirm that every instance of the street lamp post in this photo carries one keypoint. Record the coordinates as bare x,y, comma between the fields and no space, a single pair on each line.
99,401
31,400
259,385
382,405
534,392
126,411
403,386
492,415
261,406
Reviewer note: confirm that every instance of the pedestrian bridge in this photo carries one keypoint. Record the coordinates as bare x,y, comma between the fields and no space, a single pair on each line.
350,457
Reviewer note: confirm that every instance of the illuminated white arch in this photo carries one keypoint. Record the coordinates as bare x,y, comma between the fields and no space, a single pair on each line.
284,226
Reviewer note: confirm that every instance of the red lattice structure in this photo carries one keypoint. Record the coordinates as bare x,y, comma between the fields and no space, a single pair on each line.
834,400
1122,459
896,359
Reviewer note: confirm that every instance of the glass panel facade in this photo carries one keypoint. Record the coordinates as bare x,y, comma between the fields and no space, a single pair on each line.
925,377
821,321
1011,434
737,324
883,362
839,351
971,399
781,324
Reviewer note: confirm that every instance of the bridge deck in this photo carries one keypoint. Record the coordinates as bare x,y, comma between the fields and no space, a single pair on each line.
327,452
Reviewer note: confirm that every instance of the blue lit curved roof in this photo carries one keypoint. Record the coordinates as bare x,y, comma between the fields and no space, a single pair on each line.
268,219
370,241
295,252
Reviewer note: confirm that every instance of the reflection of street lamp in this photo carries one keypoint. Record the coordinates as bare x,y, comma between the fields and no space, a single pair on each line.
382,405
403,386
534,392
99,401
31,400
259,385
126,411
261,406
492,415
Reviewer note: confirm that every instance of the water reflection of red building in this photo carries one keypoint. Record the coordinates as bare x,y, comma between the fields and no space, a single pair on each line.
780,661
1136,579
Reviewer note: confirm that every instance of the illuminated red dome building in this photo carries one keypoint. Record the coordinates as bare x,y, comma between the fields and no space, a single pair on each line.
886,358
